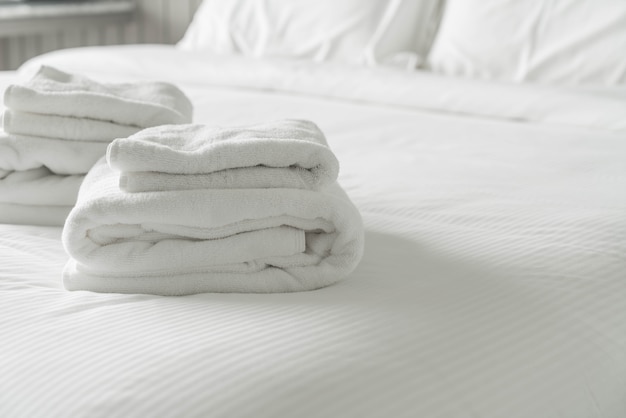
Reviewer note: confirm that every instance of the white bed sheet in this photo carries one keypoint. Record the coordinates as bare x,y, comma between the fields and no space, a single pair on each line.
493,282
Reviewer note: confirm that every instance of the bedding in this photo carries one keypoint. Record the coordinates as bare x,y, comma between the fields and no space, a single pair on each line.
492,284
390,32
559,41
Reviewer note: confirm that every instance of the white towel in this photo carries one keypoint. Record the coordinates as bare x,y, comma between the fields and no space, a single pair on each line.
58,125
39,186
208,240
37,196
18,153
40,178
286,153
63,127
235,178
141,104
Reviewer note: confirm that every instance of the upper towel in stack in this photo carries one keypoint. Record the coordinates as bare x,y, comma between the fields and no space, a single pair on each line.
228,238
57,125
287,154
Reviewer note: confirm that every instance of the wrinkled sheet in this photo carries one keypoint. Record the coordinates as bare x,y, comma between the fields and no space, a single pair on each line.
493,282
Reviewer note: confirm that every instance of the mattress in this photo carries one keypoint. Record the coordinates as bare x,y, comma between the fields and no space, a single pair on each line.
493,282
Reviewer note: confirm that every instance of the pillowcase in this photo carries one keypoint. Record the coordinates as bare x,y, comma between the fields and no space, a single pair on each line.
556,41
353,31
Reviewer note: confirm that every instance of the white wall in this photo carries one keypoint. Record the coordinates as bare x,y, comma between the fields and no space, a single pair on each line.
156,21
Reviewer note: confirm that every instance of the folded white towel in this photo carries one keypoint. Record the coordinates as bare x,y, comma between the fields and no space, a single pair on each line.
40,178
235,178
39,186
58,125
141,104
159,158
37,196
208,240
18,153
63,127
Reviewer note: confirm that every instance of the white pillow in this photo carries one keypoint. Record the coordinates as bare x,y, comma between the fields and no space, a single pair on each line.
353,31
551,41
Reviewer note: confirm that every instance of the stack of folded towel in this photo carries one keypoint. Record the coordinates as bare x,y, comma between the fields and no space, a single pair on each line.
57,125
185,209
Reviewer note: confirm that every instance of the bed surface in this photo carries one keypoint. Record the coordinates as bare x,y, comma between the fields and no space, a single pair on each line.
493,282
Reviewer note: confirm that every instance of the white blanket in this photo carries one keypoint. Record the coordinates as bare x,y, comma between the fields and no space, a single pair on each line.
143,104
285,153
492,283
184,242
594,107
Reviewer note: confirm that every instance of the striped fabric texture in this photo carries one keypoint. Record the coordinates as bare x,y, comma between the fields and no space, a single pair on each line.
493,285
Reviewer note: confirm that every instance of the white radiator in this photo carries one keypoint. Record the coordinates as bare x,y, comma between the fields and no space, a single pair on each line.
156,21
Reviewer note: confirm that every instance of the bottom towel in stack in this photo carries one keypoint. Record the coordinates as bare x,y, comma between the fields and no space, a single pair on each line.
40,177
177,241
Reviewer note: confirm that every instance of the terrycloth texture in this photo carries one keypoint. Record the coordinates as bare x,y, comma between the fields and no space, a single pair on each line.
234,178
285,153
63,127
209,240
142,104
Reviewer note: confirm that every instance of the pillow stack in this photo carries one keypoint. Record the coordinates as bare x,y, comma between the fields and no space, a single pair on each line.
185,209
57,125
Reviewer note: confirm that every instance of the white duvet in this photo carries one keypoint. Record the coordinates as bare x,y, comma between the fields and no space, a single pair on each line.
493,282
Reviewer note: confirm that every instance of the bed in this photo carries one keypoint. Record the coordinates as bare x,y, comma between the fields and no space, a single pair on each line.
493,282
